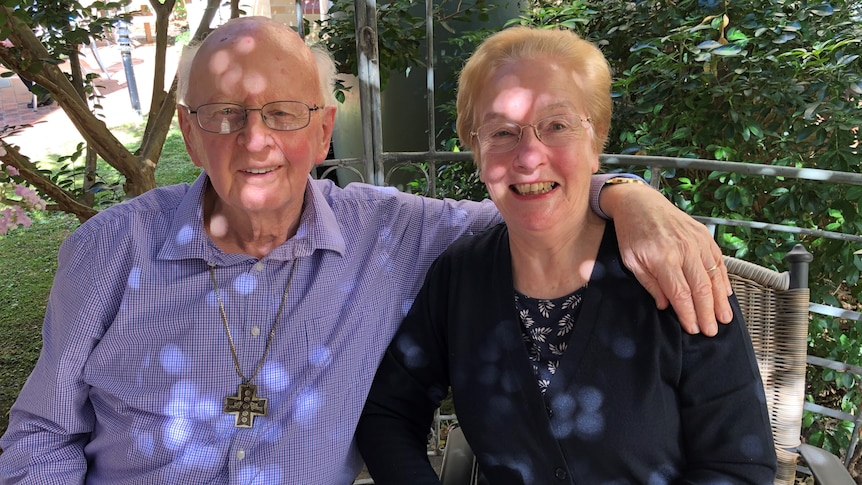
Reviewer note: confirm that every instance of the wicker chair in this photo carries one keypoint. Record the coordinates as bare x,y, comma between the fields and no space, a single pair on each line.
775,307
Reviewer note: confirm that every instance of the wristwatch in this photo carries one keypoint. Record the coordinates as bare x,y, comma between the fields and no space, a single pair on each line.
624,180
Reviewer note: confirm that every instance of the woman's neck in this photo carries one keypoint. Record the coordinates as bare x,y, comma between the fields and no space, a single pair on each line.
555,263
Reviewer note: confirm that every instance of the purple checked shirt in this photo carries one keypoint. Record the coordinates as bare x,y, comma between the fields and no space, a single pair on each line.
136,364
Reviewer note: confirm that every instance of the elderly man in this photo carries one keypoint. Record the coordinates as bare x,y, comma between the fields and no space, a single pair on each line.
228,331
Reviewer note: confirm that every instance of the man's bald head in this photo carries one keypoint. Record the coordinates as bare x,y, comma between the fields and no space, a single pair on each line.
270,44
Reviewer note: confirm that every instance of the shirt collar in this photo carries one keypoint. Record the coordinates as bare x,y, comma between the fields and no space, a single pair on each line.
318,229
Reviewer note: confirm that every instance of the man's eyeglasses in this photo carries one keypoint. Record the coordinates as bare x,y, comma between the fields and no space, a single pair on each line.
557,130
225,118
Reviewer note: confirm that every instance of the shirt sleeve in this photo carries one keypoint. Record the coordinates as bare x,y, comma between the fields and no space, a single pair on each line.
725,425
409,385
52,418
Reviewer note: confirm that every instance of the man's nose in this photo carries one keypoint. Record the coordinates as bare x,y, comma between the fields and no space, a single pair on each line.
255,135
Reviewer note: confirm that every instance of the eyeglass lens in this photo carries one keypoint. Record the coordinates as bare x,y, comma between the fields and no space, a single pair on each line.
552,131
227,118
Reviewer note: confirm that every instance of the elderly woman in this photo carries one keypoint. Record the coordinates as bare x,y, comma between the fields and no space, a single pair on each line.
562,369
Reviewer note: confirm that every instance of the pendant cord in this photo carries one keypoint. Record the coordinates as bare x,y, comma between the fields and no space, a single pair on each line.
271,332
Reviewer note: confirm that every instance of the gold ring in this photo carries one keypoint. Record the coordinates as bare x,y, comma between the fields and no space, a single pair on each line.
712,268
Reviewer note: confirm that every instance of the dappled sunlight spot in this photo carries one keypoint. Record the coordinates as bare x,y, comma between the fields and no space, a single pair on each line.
254,82
490,353
590,399
270,474
486,375
244,45
590,424
509,383
665,475
274,376
245,283
145,443
142,368
752,446
563,405
231,79
205,409
183,399
254,474
386,189
347,287
212,299
172,359
249,474
581,414
307,407
412,354
218,226
321,357
177,432
624,347
385,234
271,433
219,62
518,463
459,218
500,405
185,235
405,307
201,457
134,279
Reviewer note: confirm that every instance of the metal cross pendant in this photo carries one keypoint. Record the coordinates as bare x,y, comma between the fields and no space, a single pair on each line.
246,405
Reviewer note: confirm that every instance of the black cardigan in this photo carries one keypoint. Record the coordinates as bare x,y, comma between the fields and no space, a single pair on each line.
635,399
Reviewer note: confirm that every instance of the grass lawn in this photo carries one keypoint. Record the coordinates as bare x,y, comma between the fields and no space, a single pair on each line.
29,257
29,262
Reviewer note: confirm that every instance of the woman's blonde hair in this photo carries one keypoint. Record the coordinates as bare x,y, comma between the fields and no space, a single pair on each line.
516,43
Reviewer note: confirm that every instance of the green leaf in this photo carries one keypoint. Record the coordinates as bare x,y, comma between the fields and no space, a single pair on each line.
727,50
709,45
844,60
823,10
784,38
736,35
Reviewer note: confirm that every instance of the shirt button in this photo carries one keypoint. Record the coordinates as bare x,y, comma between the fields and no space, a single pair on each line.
255,331
258,267
560,473
240,454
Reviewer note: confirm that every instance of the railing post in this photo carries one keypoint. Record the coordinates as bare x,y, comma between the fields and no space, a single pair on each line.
799,259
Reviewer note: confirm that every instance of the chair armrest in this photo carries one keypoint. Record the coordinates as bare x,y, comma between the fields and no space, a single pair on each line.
459,463
826,468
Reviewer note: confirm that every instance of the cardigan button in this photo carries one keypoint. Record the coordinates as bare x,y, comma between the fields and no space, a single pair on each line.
560,473
549,411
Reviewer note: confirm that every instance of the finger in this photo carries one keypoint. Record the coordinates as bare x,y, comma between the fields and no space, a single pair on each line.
654,289
700,278
720,285
721,288
678,292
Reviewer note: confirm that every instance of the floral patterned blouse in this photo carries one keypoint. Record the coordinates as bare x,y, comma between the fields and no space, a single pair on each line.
546,326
